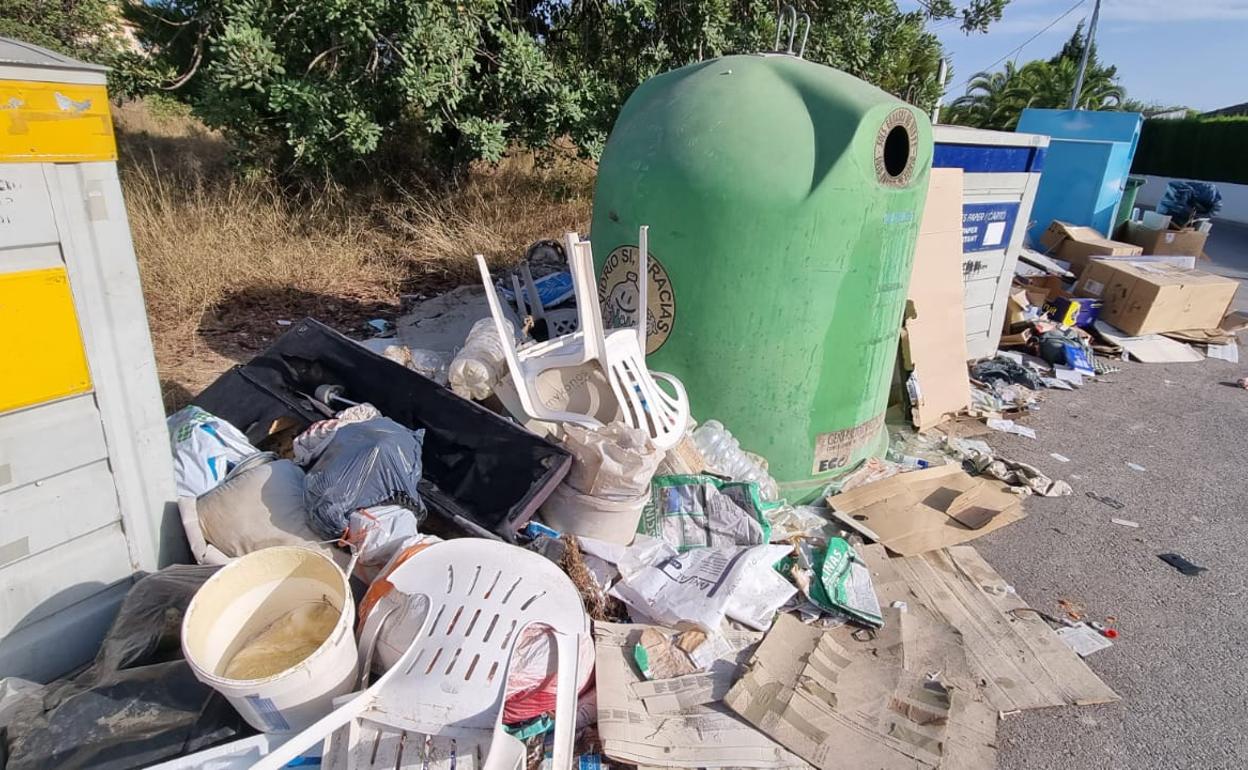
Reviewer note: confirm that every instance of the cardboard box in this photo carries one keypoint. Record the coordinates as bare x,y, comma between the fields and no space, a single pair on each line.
1189,242
1078,245
1149,297
1073,311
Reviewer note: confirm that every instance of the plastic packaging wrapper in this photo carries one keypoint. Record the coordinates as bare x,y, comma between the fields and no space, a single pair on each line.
309,444
702,586
376,535
836,580
429,363
365,464
205,449
138,703
810,522
701,511
1185,201
479,366
613,462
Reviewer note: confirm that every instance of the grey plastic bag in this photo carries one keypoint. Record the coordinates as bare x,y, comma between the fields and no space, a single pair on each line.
365,464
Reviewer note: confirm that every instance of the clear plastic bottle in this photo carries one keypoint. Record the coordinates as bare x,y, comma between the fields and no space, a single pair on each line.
479,366
723,453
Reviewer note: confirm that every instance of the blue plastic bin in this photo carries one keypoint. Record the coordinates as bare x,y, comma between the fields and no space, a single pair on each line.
1086,168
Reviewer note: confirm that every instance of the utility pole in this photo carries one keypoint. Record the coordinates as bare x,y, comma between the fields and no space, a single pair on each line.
941,77
1083,60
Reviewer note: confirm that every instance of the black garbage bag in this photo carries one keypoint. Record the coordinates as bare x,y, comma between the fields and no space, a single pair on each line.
365,464
138,703
1005,370
1185,201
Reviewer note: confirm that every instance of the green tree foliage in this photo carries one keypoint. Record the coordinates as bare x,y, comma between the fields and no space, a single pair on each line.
997,99
83,29
348,84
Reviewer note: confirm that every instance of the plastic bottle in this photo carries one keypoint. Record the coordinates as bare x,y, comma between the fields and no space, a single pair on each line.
479,366
723,453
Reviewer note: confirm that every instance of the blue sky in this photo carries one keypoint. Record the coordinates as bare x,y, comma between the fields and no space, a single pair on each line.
1193,53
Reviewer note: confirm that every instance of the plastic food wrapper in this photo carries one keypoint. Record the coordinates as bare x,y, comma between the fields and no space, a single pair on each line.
376,534
612,462
205,449
702,586
138,703
309,444
365,464
479,366
704,511
803,521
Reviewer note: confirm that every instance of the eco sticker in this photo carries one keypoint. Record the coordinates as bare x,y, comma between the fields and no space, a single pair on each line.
617,290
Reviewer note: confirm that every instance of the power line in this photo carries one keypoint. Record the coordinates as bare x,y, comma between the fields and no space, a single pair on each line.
1026,42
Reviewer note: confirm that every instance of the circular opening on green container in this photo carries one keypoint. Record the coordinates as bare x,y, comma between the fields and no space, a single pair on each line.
896,151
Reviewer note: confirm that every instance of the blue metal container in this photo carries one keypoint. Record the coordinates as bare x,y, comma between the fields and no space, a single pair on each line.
1086,168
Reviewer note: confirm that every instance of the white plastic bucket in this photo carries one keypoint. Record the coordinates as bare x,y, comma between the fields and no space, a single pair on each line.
615,521
243,599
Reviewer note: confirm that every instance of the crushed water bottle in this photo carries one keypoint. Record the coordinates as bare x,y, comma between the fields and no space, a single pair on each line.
723,453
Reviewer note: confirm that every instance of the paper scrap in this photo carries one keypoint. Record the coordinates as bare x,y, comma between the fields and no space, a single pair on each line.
1083,639
705,735
1059,458
1226,352
1136,467
1150,348
1125,522
1068,374
1009,426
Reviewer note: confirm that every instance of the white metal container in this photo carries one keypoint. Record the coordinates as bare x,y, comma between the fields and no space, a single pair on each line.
247,596
1001,173
86,483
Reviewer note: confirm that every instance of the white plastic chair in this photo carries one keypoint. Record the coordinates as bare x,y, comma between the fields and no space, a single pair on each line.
620,353
477,597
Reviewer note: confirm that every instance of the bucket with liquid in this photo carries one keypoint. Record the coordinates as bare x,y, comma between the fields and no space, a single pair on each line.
272,632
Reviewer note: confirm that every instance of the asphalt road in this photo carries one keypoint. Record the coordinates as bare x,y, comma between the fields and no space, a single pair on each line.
1181,663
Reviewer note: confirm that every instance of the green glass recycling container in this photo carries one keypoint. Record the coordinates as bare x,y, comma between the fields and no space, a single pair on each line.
783,199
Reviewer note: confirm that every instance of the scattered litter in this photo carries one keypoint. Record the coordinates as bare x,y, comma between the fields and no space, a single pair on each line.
723,453
1009,426
205,449
1228,351
1137,467
283,322
1242,382
1181,564
1006,371
836,580
1125,522
428,363
1117,505
702,586
380,327
1083,640
1059,458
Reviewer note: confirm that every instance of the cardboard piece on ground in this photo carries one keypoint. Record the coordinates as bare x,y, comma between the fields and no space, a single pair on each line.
1147,298
1153,240
872,701
934,343
703,735
1078,245
910,511
1021,660
1151,348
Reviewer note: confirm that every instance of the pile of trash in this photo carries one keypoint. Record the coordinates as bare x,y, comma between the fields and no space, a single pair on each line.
367,527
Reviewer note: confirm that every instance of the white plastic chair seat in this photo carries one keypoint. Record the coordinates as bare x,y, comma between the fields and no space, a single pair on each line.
644,404
466,602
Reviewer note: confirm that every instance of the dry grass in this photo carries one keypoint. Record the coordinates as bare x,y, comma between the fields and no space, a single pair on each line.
224,257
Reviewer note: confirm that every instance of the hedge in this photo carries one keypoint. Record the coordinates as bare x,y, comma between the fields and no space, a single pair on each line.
1209,149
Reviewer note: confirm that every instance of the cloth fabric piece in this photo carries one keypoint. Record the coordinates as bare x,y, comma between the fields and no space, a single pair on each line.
309,444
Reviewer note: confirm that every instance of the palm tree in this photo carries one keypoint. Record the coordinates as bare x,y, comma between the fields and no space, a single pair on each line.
985,104
997,99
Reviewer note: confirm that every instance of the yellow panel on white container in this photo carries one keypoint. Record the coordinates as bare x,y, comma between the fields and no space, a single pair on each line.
55,122
41,354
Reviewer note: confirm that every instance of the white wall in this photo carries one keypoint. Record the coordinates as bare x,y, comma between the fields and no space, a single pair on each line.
1234,197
